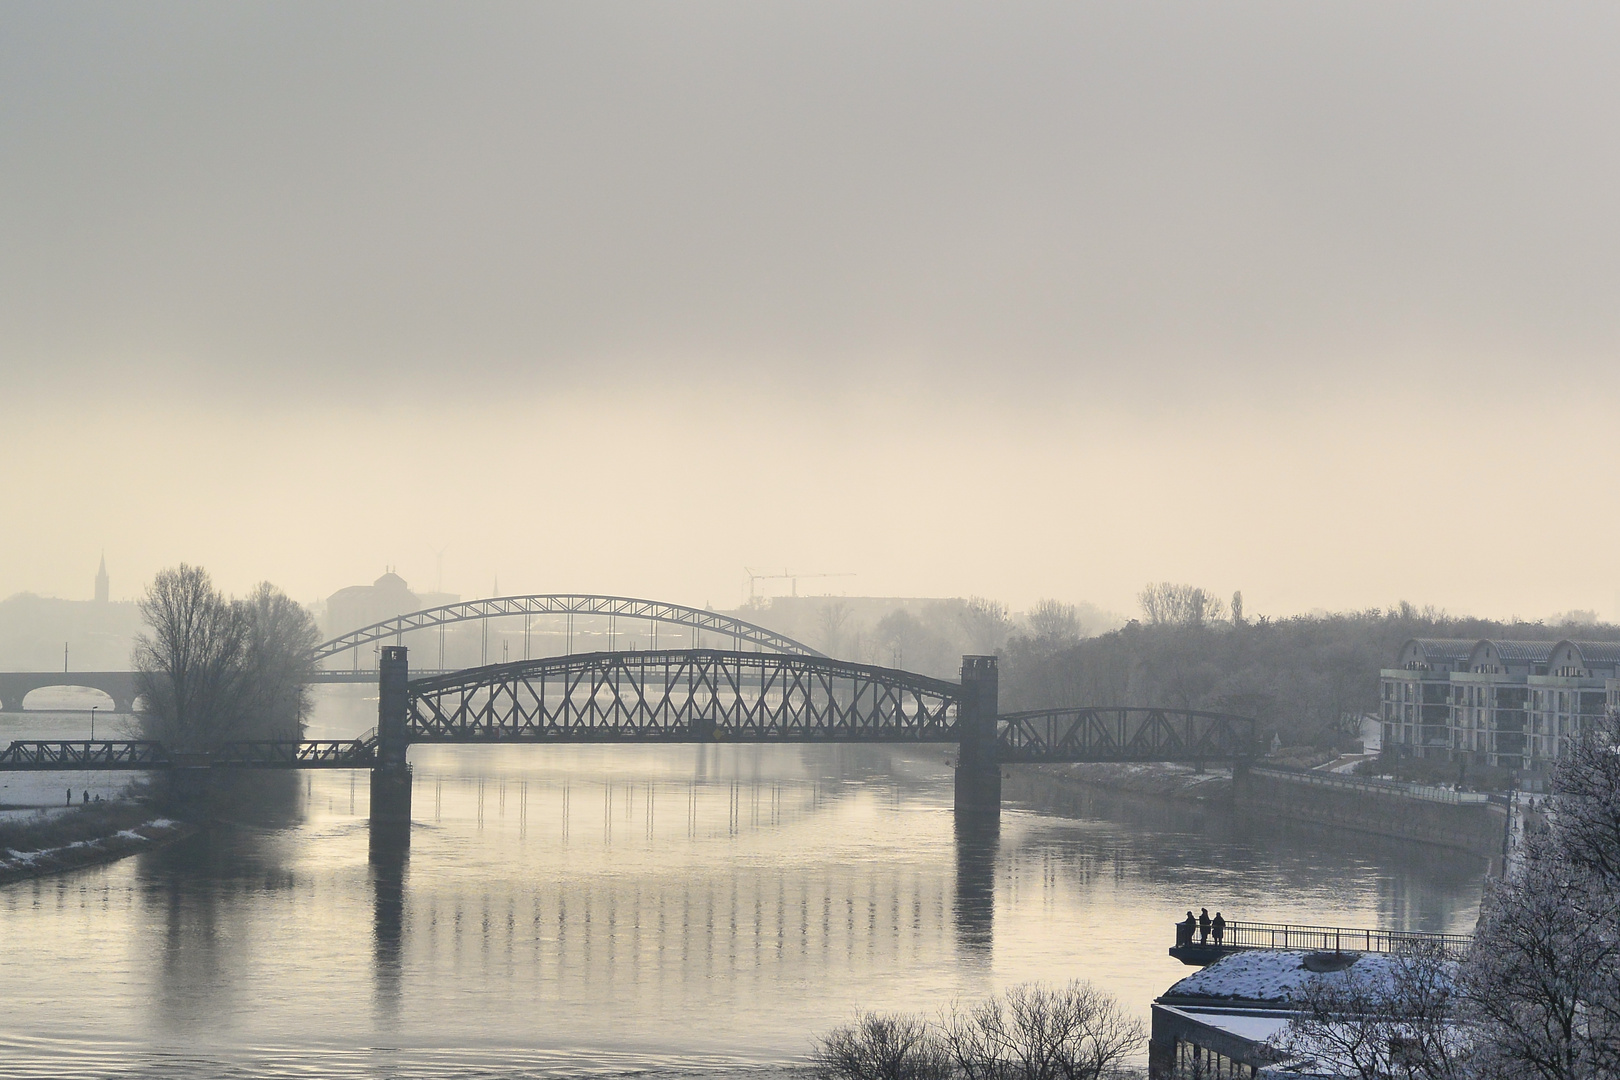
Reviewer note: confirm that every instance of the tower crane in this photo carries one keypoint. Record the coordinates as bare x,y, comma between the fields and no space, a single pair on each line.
756,576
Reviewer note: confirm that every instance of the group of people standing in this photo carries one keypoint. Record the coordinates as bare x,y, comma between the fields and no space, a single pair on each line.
1203,925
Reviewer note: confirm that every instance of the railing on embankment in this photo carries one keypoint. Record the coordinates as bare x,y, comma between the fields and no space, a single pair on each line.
1456,819
1424,792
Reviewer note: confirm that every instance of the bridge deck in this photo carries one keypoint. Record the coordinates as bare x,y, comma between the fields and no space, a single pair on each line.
135,755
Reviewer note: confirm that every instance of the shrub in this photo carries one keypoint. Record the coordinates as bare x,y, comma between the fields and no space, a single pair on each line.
882,1046
1034,1032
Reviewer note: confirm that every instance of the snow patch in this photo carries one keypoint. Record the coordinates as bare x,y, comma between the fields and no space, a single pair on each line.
1262,975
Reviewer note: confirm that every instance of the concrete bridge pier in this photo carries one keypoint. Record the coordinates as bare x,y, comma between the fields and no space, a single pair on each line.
391,776
978,772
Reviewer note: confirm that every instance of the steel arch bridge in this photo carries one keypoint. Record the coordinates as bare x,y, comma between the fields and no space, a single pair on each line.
683,695
655,611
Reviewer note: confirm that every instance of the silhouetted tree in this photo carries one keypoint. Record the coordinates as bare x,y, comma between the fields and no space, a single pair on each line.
189,666
281,636
212,669
986,623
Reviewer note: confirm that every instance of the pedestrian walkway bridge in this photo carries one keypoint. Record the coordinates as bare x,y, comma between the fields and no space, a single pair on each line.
1198,950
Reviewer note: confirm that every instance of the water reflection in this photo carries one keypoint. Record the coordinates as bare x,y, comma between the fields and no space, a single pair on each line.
978,842
560,910
390,849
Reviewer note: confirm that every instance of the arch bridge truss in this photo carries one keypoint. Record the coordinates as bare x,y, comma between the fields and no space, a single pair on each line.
656,612
682,696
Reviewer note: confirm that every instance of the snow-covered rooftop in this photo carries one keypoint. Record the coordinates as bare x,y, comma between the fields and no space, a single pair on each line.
1271,977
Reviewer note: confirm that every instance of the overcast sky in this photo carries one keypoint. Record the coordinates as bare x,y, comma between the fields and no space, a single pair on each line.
1313,300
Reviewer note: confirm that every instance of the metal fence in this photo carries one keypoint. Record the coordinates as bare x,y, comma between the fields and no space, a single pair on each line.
1381,787
1253,935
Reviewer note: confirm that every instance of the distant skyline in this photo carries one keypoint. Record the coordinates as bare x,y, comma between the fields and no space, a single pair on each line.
1312,301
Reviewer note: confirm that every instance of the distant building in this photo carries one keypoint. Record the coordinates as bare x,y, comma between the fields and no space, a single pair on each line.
101,580
1511,704
362,605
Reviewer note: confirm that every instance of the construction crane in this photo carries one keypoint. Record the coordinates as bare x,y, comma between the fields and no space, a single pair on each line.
755,576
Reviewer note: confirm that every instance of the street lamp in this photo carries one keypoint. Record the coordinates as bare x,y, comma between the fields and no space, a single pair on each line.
93,709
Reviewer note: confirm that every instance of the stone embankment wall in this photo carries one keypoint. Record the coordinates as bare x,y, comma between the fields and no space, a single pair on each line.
1476,828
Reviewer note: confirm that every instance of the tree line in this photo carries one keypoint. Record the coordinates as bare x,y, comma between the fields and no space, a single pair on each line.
215,669
1308,678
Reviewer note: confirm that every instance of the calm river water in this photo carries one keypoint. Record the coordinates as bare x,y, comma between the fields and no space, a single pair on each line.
663,910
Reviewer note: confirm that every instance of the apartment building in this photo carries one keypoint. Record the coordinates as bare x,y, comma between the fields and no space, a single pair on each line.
1511,704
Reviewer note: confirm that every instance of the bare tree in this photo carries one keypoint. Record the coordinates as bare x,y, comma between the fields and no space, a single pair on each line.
1180,605
214,669
279,664
1544,978
986,623
189,666
1033,1032
1055,623
881,1047
1587,795
1398,1021
831,619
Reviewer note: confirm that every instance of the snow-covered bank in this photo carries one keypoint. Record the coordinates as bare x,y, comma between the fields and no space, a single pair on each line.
21,859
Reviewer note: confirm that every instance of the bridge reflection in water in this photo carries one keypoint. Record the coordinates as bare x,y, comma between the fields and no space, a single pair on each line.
623,906
652,882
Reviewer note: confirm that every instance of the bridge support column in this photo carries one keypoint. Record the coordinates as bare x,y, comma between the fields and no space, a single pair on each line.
391,776
978,772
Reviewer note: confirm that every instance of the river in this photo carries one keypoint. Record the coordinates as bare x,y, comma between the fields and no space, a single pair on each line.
648,910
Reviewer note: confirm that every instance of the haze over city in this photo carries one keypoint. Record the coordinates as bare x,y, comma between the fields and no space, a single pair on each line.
1314,302
706,540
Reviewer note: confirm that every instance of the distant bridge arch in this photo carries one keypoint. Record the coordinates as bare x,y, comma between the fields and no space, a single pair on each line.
15,686
738,632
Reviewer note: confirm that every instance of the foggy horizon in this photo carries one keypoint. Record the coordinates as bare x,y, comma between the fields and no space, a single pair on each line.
1315,303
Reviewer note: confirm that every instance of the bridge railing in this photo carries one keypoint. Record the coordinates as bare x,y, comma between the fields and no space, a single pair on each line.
143,755
40,755
303,754
1261,935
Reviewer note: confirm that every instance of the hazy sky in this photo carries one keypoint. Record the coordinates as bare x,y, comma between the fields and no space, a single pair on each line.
1314,300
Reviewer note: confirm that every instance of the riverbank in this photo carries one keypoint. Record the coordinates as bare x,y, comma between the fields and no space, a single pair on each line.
1155,779
84,836
1379,810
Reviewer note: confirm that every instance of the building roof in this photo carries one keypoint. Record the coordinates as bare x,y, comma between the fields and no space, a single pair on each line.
1535,652
1442,648
1598,652
1266,977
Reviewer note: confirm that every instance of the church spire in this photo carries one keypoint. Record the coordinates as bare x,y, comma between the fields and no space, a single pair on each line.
101,580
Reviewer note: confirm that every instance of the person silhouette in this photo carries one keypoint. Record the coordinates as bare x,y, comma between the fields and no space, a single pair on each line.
1184,930
1203,926
1217,927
